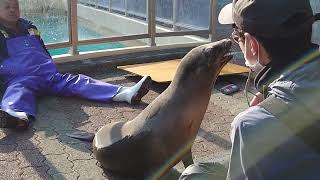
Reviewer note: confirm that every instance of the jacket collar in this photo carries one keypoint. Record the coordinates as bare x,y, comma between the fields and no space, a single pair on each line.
23,26
270,73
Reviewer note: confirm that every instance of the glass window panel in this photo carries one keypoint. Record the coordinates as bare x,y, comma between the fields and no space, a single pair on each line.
103,3
222,31
137,7
180,40
316,26
189,15
164,15
164,9
118,5
88,2
95,22
101,23
193,14
51,20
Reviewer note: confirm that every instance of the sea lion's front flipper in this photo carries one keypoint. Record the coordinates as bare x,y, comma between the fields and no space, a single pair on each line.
187,159
82,135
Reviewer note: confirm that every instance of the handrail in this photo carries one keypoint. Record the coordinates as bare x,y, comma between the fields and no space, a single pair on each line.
113,39
58,45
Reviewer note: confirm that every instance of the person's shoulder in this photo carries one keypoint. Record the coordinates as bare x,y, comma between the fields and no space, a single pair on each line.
253,116
26,23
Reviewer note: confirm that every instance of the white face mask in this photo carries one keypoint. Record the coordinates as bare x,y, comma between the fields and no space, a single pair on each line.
256,67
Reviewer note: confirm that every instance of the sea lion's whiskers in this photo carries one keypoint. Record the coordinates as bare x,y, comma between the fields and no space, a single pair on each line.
234,47
231,53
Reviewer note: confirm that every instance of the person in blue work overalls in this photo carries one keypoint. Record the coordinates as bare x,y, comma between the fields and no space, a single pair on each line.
27,71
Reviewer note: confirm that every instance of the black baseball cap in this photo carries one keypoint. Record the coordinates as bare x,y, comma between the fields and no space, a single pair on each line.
269,18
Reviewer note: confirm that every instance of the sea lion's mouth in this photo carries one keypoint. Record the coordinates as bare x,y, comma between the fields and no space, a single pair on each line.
229,54
227,57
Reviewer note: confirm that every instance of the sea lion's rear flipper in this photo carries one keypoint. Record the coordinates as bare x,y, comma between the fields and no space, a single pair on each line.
82,135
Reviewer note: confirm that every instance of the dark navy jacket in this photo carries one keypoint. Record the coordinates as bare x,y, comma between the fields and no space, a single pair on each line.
23,26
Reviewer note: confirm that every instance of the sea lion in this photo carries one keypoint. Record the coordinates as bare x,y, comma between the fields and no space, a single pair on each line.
164,131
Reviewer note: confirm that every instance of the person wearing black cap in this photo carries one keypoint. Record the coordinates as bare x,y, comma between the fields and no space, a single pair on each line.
278,137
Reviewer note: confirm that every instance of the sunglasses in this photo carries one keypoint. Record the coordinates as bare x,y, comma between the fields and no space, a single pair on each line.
237,34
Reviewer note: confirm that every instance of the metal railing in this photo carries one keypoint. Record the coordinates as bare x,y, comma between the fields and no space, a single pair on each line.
74,42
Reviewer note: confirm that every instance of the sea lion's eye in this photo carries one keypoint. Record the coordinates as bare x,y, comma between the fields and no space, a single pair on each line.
207,52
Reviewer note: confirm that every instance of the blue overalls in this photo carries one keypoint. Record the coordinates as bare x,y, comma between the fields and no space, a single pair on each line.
29,72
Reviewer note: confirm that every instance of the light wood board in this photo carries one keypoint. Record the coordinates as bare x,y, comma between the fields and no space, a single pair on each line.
164,71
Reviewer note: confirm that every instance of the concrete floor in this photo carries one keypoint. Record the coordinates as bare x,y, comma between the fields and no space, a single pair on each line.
45,152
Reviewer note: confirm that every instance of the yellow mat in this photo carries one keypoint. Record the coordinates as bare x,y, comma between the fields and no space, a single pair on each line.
164,71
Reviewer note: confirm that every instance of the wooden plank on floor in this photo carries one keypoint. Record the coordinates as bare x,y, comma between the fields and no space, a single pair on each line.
164,71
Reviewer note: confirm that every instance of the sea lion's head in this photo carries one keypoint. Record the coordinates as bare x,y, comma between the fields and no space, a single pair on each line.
204,63
217,54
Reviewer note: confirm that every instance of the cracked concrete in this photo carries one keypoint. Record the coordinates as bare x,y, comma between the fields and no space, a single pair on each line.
45,152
